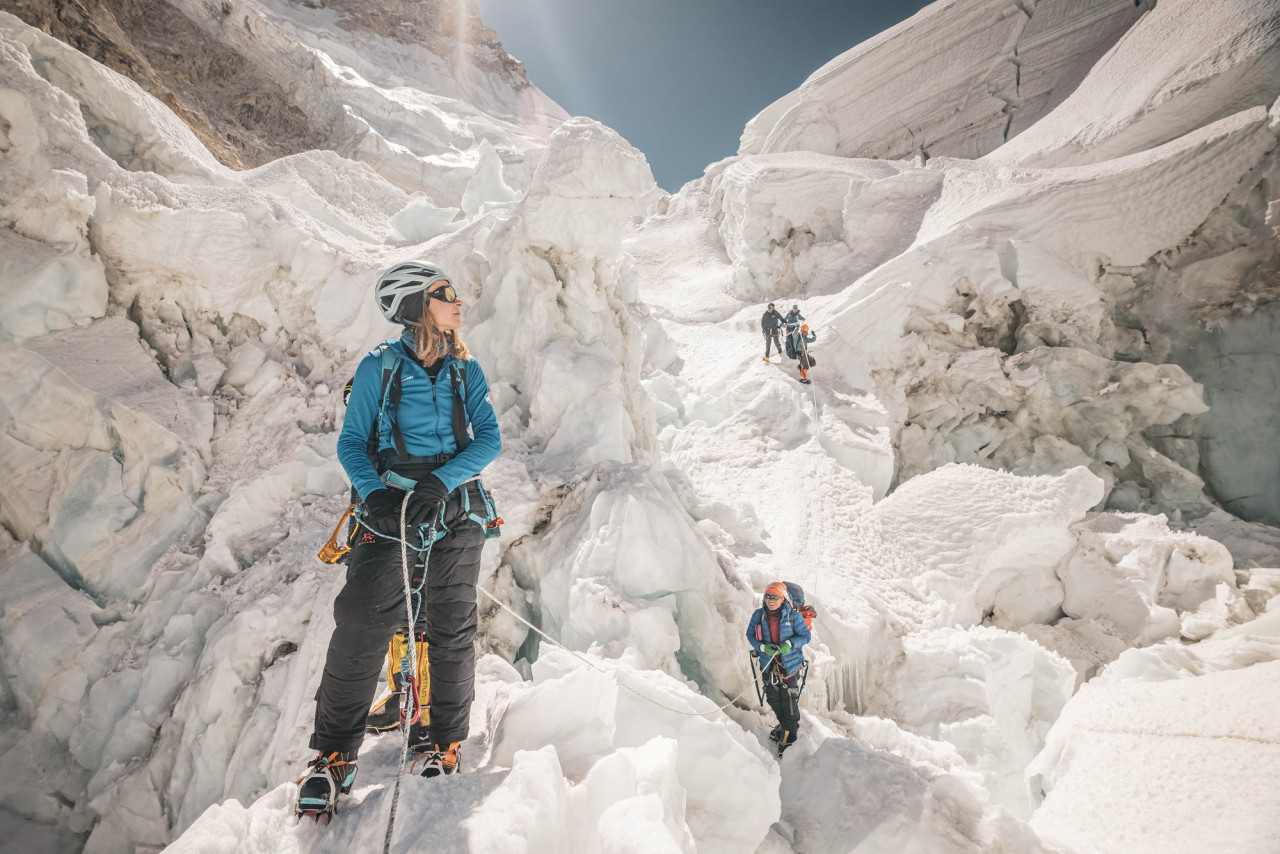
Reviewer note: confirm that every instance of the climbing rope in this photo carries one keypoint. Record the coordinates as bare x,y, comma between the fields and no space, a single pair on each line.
410,614
408,593
614,673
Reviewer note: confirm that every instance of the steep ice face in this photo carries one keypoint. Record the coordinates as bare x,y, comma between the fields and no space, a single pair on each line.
1184,65
801,223
105,455
958,79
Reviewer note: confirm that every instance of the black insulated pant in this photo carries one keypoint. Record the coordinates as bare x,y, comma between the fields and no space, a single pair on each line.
371,608
783,696
772,338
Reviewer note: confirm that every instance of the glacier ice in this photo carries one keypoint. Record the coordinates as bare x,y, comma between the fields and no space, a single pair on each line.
1003,493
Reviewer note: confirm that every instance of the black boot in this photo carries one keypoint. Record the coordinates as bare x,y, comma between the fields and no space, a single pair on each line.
330,774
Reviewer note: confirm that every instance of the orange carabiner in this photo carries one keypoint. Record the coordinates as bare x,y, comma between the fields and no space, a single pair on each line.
332,551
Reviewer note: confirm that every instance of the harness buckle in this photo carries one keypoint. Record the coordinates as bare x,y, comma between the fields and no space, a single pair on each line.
390,478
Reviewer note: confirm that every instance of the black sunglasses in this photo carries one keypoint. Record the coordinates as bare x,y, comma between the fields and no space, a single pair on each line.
445,294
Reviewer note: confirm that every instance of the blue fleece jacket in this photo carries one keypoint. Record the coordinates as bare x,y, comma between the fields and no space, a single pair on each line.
425,417
791,626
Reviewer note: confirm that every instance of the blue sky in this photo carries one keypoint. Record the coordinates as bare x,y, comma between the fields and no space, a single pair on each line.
680,78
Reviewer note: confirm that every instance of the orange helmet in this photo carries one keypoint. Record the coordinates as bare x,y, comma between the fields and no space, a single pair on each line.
804,327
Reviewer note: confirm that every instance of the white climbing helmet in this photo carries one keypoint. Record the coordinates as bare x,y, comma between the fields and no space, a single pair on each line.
403,280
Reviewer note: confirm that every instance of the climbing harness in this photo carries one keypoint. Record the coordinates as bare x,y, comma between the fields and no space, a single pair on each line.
760,677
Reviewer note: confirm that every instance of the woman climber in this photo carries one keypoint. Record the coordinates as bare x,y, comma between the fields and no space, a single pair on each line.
420,425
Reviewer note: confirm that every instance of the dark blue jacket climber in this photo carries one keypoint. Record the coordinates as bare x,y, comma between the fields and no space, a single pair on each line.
423,436
791,626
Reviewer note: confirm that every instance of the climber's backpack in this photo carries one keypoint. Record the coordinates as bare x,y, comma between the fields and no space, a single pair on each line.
796,593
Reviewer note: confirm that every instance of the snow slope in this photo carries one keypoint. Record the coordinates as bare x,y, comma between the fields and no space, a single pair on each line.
1003,493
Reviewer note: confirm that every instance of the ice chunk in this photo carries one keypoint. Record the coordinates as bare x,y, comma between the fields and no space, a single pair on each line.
718,766
1135,575
43,625
45,288
487,186
420,220
129,451
525,814
993,694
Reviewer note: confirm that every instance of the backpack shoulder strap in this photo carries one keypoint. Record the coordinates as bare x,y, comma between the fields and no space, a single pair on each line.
388,397
461,434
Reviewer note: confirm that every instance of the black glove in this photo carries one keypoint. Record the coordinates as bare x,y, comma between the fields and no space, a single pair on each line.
382,511
427,496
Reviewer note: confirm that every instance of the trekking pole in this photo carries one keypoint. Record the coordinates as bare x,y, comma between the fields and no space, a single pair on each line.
756,677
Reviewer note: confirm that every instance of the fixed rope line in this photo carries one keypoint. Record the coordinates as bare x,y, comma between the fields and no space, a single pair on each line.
614,673
408,593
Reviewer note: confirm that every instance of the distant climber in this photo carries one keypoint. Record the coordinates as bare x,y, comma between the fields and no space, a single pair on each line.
777,632
419,425
793,318
770,323
798,340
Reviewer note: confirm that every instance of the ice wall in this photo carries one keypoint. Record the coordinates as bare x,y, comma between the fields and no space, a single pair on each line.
957,79
1183,66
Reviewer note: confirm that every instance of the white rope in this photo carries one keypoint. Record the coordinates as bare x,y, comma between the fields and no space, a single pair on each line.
614,673
413,664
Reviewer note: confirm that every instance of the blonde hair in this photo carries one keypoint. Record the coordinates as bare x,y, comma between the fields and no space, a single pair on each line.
433,343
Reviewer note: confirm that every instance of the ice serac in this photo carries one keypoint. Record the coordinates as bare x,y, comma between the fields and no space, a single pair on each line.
960,332
619,570
804,223
555,261
1185,65
957,79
